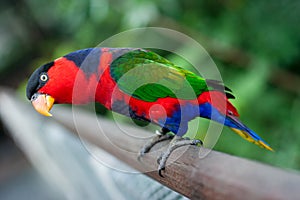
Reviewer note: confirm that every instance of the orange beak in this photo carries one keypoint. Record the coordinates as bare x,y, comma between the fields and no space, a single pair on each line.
42,103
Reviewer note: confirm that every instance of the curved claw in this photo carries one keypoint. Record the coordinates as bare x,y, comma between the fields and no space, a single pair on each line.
160,172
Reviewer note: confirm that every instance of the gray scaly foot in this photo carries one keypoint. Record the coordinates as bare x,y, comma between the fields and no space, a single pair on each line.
159,137
175,143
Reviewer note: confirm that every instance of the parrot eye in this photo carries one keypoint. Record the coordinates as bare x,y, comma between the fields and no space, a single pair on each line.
230,112
44,77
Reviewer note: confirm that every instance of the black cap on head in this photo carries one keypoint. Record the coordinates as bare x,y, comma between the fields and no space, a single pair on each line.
34,82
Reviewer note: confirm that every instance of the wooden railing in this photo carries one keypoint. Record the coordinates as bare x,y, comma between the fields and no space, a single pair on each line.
216,176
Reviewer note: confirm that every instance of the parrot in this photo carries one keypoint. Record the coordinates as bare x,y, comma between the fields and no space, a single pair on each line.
140,84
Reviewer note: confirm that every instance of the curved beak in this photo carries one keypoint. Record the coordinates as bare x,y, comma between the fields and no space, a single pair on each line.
42,103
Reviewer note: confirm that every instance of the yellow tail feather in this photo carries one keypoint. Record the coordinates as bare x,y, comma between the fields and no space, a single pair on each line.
246,136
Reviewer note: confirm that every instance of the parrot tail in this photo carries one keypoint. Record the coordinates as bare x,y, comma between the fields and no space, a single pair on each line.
245,132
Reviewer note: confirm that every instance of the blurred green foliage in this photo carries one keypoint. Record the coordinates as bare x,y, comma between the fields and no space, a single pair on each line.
255,44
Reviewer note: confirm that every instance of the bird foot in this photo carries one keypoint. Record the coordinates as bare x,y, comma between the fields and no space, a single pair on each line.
159,137
175,143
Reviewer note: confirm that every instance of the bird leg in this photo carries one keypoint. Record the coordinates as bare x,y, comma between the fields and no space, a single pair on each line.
175,143
159,137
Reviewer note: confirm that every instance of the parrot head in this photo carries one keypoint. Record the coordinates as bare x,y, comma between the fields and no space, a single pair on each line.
53,83
42,102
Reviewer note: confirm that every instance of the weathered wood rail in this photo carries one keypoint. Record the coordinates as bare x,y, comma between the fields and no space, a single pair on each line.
216,176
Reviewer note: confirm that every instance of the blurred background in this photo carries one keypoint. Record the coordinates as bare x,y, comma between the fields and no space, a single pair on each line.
255,44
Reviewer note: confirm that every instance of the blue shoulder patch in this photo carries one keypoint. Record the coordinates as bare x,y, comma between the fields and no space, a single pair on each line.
86,59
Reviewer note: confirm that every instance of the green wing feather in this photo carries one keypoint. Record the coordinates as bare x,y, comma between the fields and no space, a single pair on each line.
148,76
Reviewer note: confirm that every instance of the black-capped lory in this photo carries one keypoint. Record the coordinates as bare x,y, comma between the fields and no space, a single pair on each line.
142,85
